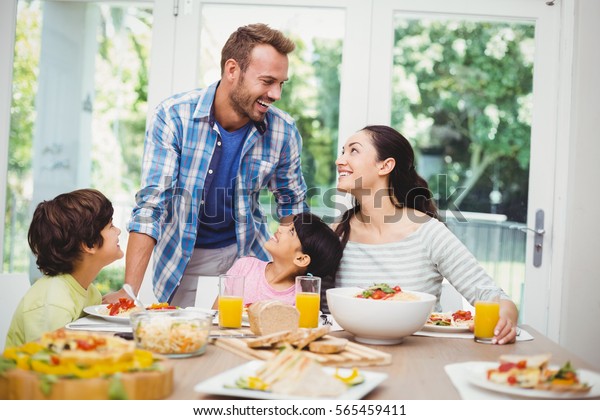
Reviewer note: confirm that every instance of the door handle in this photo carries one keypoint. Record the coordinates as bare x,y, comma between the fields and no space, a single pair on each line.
527,229
538,239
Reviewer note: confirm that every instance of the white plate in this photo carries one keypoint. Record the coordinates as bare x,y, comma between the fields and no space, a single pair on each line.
445,328
478,376
216,384
100,311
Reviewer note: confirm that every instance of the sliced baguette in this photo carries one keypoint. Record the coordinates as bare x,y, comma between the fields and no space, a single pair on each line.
328,345
311,335
269,340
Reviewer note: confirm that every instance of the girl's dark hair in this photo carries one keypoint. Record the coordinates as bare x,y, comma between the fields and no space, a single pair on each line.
323,246
61,226
406,187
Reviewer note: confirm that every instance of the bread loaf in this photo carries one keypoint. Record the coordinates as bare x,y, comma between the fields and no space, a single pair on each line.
270,316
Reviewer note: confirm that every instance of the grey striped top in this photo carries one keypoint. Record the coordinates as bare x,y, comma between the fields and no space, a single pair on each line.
418,262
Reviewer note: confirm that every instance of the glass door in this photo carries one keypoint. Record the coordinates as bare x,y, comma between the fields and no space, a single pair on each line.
470,86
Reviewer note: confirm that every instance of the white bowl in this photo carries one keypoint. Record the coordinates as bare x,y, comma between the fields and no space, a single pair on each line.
378,321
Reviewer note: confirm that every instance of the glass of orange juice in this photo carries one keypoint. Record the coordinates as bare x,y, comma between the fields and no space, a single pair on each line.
231,300
308,300
487,313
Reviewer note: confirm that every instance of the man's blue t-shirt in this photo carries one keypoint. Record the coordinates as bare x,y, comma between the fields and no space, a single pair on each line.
216,221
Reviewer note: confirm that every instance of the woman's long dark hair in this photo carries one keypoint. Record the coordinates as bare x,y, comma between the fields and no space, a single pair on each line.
406,187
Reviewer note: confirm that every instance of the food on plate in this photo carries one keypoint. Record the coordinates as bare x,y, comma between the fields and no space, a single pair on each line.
330,345
298,337
67,364
177,332
384,291
533,372
354,378
161,306
270,316
123,307
292,373
459,318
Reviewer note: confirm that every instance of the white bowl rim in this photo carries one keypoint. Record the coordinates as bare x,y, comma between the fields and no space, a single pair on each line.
350,292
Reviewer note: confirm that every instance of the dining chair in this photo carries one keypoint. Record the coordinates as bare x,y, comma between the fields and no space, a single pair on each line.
13,287
207,291
451,300
146,292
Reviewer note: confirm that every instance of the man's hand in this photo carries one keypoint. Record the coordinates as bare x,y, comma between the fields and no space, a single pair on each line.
114,296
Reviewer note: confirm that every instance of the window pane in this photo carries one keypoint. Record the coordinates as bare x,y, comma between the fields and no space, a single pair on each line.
462,93
78,111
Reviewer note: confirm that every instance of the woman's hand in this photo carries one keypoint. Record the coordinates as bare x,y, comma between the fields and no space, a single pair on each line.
505,331
506,328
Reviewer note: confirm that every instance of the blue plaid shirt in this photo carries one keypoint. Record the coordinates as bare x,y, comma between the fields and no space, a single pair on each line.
180,142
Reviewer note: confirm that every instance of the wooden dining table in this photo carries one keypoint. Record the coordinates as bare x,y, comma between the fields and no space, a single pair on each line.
416,371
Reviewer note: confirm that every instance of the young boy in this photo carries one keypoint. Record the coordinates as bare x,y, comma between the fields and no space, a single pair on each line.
72,238
305,246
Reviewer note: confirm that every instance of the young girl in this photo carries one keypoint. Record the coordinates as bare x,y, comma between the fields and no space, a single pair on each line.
307,245
392,233
72,238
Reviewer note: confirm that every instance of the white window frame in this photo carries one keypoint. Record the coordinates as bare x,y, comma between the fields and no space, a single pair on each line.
8,24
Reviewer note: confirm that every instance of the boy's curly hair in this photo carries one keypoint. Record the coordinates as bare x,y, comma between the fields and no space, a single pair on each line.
61,226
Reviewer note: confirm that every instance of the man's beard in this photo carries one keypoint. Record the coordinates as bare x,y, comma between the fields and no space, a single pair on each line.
243,104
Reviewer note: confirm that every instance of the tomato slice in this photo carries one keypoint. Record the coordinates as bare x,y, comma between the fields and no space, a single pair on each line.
505,367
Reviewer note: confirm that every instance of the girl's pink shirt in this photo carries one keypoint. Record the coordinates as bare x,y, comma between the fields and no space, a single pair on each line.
256,286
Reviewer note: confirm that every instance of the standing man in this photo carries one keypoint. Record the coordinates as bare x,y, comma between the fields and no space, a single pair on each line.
207,155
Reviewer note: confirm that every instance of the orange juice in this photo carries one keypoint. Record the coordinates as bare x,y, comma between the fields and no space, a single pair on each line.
230,311
486,318
308,306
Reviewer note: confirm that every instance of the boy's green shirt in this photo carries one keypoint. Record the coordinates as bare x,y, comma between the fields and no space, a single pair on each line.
49,304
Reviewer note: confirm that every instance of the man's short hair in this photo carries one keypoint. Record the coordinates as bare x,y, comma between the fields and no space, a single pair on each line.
240,44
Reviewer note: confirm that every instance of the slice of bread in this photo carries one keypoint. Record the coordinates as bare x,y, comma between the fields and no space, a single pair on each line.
269,340
310,335
328,345
271,316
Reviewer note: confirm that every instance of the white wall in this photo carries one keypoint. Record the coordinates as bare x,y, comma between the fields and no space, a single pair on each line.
580,330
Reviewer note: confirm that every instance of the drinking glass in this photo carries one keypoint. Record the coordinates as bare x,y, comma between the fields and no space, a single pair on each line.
308,300
231,298
487,313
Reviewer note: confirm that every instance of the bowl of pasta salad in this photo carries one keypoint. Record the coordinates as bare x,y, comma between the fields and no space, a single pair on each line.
380,314
173,333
